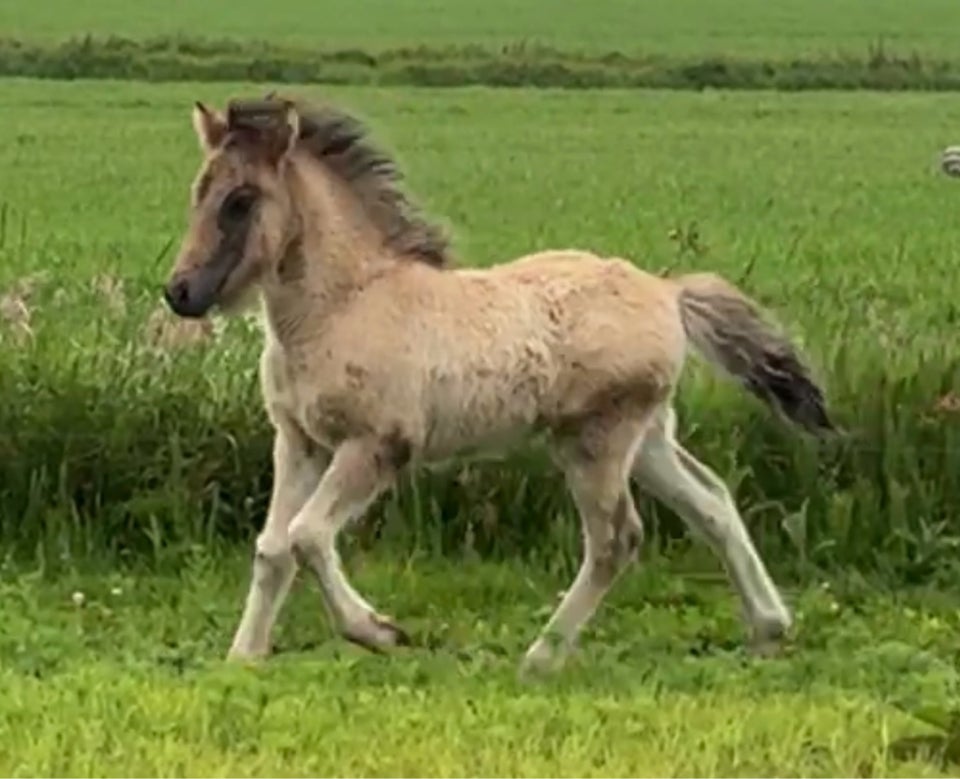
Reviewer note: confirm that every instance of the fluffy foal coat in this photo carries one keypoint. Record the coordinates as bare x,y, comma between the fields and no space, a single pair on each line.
379,355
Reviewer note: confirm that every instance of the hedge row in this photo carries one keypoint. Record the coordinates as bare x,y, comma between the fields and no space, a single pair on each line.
190,59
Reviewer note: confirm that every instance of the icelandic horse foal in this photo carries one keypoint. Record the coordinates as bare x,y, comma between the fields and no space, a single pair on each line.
378,355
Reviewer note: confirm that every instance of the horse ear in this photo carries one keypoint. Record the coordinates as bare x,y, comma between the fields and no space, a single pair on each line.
209,126
291,129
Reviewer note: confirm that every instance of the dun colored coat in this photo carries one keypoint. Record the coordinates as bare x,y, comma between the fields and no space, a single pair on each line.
379,356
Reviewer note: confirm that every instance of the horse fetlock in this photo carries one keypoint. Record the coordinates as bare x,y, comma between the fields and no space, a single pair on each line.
244,650
769,628
544,656
375,632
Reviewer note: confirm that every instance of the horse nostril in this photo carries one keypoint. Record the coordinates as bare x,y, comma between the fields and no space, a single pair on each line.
177,294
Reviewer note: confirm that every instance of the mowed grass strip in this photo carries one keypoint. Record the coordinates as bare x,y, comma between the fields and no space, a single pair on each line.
828,208
120,673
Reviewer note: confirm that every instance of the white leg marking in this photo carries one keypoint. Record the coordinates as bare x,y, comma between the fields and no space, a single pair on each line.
296,475
673,475
357,475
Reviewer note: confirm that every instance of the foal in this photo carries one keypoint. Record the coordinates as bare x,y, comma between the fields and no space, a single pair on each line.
378,356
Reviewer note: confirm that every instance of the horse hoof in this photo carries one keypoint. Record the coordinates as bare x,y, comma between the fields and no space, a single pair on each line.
540,660
378,634
769,635
247,656
395,635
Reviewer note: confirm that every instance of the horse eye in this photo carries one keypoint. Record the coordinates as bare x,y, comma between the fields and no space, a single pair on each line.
238,204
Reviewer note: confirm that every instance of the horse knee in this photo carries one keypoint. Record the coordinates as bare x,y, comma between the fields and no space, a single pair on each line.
302,537
273,559
273,545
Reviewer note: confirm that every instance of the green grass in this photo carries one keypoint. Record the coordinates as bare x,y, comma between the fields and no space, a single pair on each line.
167,59
685,27
132,473
826,207
132,682
795,44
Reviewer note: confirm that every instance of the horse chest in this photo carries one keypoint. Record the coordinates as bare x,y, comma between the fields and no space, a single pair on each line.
326,402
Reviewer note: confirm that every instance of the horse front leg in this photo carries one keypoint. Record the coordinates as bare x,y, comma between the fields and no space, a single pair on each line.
297,468
361,469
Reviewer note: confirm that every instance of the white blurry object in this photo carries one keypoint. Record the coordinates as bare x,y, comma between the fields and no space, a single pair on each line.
950,161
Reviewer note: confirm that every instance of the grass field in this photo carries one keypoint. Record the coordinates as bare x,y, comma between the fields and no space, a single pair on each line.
801,199
786,44
134,455
129,681
796,27
132,460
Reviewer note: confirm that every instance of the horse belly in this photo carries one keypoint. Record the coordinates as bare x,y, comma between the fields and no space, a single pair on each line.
483,414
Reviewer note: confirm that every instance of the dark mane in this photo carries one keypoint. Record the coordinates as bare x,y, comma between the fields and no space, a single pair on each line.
340,142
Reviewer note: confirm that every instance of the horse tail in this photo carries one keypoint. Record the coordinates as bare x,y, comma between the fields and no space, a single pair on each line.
727,328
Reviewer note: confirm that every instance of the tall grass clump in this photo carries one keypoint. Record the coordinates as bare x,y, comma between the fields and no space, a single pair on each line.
125,432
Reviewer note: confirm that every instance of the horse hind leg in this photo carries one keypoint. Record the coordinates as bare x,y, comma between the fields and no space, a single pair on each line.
596,465
672,475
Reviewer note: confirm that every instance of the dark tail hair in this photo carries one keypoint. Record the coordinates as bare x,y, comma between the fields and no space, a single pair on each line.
728,329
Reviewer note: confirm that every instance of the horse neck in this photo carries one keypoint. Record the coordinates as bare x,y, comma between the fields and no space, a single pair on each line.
333,252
